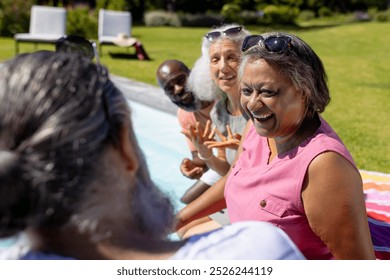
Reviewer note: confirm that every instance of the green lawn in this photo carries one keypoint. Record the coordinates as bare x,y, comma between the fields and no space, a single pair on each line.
356,57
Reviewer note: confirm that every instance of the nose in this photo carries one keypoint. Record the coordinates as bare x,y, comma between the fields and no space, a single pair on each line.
254,101
178,89
223,65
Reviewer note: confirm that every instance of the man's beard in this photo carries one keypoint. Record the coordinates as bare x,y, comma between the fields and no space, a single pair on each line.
152,210
135,206
194,106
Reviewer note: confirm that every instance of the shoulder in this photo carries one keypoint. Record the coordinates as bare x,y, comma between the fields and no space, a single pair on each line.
183,113
333,170
185,117
325,147
243,240
329,139
330,156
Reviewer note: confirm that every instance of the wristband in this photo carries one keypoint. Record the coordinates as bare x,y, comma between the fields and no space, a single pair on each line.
202,158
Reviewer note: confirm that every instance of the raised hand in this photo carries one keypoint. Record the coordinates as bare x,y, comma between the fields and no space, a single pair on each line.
199,136
230,142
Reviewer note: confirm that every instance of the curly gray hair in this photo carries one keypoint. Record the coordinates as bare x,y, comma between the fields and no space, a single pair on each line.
199,80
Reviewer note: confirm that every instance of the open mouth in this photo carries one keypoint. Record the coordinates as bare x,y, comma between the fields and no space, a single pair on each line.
263,118
227,78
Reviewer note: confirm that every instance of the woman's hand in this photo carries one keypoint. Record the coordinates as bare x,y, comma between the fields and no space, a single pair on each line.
230,142
190,170
199,136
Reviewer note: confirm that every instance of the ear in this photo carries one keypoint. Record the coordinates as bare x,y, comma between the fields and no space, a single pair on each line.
303,95
127,150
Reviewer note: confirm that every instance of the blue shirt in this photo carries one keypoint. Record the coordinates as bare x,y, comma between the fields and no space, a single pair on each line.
240,241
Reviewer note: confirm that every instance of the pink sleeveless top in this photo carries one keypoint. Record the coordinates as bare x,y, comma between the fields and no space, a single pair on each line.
256,190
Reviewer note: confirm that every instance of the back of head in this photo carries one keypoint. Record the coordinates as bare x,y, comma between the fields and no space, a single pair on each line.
295,60
55,123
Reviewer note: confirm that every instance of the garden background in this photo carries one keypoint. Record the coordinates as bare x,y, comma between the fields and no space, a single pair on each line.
352,37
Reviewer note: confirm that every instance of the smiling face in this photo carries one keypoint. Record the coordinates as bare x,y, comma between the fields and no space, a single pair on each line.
224,62
271,100
175,89
172,77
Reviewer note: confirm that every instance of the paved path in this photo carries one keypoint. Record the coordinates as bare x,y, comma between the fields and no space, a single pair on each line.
152,96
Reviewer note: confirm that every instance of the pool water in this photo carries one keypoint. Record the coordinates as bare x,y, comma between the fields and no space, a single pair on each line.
164,147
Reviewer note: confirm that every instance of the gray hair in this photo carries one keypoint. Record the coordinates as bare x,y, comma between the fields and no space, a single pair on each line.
200,81
300,64
237,38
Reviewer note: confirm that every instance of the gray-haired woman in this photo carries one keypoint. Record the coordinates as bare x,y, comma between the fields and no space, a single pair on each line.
221,49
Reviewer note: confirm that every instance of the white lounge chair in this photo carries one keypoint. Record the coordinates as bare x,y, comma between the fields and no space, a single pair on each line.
111,25
47,25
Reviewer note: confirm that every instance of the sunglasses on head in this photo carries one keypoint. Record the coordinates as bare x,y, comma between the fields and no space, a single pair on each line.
211,36
79,45
273,44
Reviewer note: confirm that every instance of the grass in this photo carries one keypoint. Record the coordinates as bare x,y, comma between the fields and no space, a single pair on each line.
355,56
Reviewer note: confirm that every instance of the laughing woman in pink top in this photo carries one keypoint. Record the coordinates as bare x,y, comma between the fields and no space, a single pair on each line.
292,169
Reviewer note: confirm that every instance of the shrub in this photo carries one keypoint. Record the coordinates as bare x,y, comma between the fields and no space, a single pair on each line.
362,16
324,12
281,14
14,16
372,12
80,22
161,18
251,17
200,20
231,12
306,15
117,5
383,16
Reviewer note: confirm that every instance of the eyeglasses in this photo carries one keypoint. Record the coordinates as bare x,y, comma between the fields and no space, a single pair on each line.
211,36
273,44
79,45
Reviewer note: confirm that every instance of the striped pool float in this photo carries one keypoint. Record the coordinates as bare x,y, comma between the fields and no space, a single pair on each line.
376,187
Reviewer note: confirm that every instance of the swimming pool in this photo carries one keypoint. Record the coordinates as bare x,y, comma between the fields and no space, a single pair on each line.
164,147
158,132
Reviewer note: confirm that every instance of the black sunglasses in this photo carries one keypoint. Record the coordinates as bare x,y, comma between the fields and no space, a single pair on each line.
274,44
211,36
77,44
